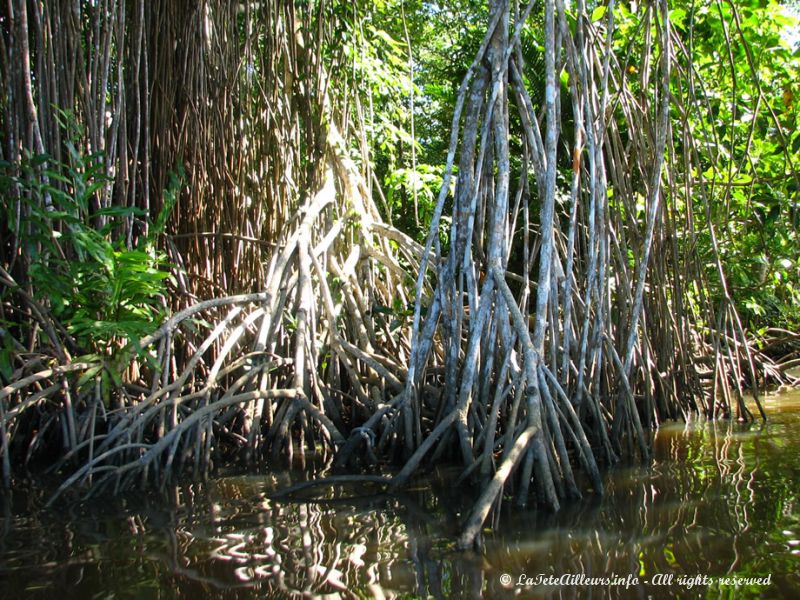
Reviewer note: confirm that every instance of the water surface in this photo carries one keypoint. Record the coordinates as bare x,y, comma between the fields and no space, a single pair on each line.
718,500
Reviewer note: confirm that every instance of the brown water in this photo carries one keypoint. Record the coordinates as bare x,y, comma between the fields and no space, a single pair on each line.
719,500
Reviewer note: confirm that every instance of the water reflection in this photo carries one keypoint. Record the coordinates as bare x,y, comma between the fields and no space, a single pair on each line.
718,499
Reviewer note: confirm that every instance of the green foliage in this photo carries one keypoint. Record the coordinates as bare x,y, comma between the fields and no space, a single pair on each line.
395,39
403,184
744,125
748,130
106,293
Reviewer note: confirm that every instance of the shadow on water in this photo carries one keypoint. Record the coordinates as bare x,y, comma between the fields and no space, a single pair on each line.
718,500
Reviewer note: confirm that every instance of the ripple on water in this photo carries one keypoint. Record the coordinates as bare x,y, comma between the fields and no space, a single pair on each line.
718,498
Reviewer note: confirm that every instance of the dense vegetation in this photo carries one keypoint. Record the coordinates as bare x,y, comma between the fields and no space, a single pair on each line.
511,235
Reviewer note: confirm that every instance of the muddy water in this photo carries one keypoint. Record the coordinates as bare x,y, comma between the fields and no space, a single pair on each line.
716,514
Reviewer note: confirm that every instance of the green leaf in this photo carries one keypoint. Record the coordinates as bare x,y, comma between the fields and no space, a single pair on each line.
121,211
599,12
677,17
88,375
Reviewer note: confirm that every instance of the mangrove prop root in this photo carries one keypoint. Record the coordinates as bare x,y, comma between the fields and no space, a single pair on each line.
535,347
